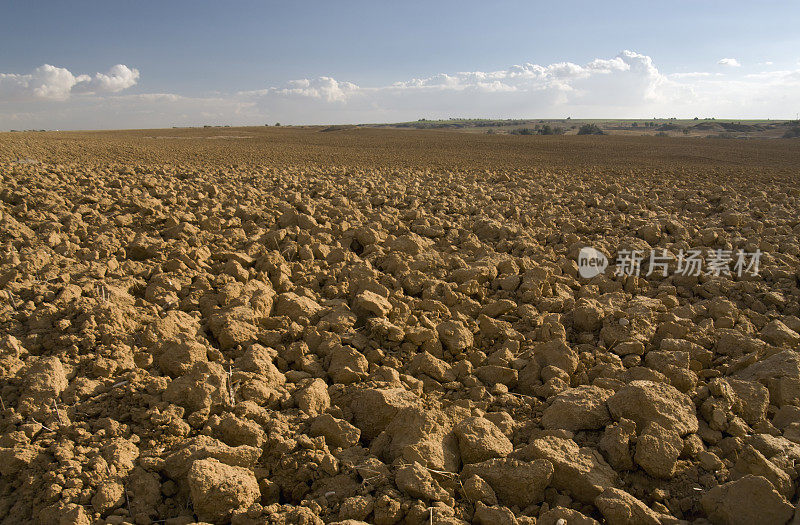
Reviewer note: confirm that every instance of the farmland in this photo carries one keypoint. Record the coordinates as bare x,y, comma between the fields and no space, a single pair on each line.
308,325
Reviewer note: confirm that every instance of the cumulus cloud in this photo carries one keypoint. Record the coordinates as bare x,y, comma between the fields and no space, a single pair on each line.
729,62
49,82
628,85
321,88
116,79
560,76
628,77
45,82
627,80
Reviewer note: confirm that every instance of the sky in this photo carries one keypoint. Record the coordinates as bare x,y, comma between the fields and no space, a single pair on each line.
145,64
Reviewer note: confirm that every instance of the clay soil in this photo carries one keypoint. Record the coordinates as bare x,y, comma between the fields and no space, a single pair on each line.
291,325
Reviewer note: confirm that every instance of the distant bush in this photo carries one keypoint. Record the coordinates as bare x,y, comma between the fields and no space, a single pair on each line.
590,129
662,134
793,133
547,129
739,127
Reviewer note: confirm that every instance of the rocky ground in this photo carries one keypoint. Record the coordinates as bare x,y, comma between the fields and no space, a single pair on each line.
225,342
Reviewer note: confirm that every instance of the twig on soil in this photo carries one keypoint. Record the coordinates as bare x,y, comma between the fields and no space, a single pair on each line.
463,490
291,253
42,425
440,472
102,293
58,414
231,392
12,301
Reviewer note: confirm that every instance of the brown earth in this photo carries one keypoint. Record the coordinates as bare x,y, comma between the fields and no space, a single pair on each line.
264,325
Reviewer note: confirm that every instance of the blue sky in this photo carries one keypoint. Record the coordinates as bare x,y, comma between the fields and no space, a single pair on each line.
248,62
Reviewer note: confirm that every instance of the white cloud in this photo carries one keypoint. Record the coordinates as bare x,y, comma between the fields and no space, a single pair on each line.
116,79
692,74
321,88
534,77
729,62
48,82
627,80
45,82
628,85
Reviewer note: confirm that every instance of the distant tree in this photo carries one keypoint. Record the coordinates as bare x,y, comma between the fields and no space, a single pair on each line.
277,124
635,124
590,129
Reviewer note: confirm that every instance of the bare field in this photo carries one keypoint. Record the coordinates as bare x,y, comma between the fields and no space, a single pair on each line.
369,147
291,325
